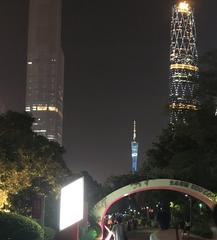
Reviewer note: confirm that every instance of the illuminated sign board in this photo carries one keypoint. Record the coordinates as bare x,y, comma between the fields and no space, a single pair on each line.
72,203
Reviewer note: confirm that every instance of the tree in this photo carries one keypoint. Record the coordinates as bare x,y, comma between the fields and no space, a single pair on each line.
27,160
115,182
92,189
188,151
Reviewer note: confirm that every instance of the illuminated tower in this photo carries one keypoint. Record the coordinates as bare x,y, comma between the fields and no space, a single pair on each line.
183,84
134,150
45,68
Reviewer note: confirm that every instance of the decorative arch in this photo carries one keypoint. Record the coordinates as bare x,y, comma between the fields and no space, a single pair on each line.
200,193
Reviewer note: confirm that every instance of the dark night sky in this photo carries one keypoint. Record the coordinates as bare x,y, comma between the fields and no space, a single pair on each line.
116,70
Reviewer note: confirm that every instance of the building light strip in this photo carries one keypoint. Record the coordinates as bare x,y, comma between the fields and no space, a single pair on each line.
184,66
42,108
182,106
40,131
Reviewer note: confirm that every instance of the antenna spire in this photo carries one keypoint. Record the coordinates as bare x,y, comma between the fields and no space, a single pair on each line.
134,130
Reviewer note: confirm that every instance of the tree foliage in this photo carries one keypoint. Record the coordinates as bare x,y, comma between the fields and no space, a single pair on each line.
92,188
187,151
27,160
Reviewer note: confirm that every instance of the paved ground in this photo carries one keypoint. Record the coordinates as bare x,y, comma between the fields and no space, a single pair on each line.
143,234
138,235
170,234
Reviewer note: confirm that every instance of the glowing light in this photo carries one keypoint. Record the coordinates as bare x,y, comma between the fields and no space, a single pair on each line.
42,108
184,7
72,203
53,109
27,109
40,131
184,66
183,106
29,63
172,204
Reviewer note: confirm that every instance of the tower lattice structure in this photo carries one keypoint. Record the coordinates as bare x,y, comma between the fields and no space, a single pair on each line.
184,71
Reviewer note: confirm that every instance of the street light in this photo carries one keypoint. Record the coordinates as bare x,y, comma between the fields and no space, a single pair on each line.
190,208
200,206
188,225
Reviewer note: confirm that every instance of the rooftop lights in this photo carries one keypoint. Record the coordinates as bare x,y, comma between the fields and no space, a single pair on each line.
183,7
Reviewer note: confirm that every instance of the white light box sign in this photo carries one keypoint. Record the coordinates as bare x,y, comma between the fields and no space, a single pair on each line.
72,203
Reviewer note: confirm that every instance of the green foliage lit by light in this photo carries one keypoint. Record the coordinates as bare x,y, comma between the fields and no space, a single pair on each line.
27,161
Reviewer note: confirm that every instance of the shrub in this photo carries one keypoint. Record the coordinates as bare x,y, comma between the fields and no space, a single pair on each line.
49,233
88,234
18,227
202,230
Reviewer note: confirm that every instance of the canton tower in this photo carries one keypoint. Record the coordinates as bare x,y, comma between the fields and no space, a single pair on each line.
134,151
183,81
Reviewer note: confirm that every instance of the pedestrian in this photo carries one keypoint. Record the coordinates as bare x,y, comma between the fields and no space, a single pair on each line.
118,230
188,228
129,225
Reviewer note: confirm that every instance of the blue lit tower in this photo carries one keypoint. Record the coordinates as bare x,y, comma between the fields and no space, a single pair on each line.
183,84
134,150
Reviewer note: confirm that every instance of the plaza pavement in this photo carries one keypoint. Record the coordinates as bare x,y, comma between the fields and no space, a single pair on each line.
171,235
140,234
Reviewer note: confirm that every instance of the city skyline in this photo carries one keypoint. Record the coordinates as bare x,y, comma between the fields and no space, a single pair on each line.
116,70
45,68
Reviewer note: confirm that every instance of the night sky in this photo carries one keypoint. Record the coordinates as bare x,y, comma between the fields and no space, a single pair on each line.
116,70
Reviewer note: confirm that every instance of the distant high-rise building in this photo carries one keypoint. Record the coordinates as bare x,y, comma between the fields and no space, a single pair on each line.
45,68
183,83
134,150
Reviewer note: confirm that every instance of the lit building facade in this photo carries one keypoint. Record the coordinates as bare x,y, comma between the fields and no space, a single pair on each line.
184,72
45,68
134,151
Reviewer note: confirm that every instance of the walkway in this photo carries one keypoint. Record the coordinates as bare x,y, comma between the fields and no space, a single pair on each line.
140,234
171,235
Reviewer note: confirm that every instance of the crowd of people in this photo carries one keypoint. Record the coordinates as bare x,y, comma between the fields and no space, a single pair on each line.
118,226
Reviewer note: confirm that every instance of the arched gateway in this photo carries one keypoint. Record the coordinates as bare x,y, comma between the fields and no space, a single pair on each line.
200,193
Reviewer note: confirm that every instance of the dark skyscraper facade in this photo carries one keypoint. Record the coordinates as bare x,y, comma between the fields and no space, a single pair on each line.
45,68
184,72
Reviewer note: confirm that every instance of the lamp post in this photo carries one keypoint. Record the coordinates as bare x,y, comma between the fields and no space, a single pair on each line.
190,209
190,206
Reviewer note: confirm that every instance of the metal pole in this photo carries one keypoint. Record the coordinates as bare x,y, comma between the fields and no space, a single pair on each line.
190,216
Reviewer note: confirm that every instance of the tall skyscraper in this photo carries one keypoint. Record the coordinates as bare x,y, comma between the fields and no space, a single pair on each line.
183,83
134,150
45,68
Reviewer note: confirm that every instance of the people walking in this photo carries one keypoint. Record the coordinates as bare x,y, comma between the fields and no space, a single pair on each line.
119,231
